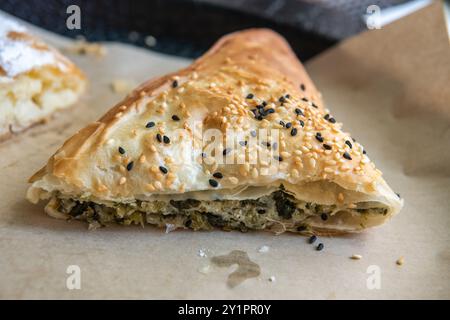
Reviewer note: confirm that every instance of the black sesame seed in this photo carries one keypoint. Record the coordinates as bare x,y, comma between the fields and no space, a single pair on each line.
270,110
213,183
287,96
299,112
253,133
243,143
282,123
218,175
319,247
268,144
302,86
130,166
259,118
398,195
294,132
326,117
305,99
163,169
279,158
255,112
332,120
288,125
166,139
174,84
261,211
364,152
326,146
319,137
324,216
150,124
312,239
347,142
274,146
259,107
347,156
175,118
203,155
250,96
158,137
301,123
314,105
264,103
121,150
301,228
282,99
226,151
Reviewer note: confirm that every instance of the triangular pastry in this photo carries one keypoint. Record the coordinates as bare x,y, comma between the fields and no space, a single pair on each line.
238,140
35,79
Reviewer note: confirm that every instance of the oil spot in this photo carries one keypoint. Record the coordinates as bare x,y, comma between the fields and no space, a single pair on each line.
246,268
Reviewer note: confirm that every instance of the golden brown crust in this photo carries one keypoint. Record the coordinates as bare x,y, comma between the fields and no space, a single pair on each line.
242,74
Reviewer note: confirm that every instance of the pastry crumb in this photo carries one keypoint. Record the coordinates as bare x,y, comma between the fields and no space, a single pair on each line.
122,86
82,47
272,279
400,261
170,227
264,249
204,269
356,257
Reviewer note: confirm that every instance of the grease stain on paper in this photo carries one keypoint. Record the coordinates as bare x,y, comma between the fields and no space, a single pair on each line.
246,268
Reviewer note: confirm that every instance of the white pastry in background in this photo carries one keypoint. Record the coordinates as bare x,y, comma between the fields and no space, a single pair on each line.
35,79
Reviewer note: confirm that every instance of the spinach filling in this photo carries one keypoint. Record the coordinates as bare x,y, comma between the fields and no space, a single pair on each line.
266,212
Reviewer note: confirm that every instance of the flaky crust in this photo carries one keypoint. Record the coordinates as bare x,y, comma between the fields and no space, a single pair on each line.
315,160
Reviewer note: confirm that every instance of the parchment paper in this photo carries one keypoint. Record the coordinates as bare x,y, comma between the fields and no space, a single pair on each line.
390,87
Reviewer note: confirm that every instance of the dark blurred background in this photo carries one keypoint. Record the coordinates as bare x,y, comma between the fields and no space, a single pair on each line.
188,27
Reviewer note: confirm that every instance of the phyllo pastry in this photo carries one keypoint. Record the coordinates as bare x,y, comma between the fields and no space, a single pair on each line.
35,79
240,139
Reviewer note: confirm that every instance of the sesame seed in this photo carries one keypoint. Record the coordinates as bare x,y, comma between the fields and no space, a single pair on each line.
130,166
347,156
288,125
121,150
226,151
294,131
347,142
174,84
324,216
264,103
314,105
301,123
166,139
274,146
218,175
302,86
326,146
312,239
122,180
282,123
175,118
364,152
282,99
319,247
319,137
243,143
301,228
305,99
203,155
163,169
287,96
249,96
270,110
253,133
279,158
261,211
299,112
400,261
356,257
326,117
332,120
150,124
213,183
158,137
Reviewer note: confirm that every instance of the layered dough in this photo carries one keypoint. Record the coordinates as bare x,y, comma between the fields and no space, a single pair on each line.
35,80
283,152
